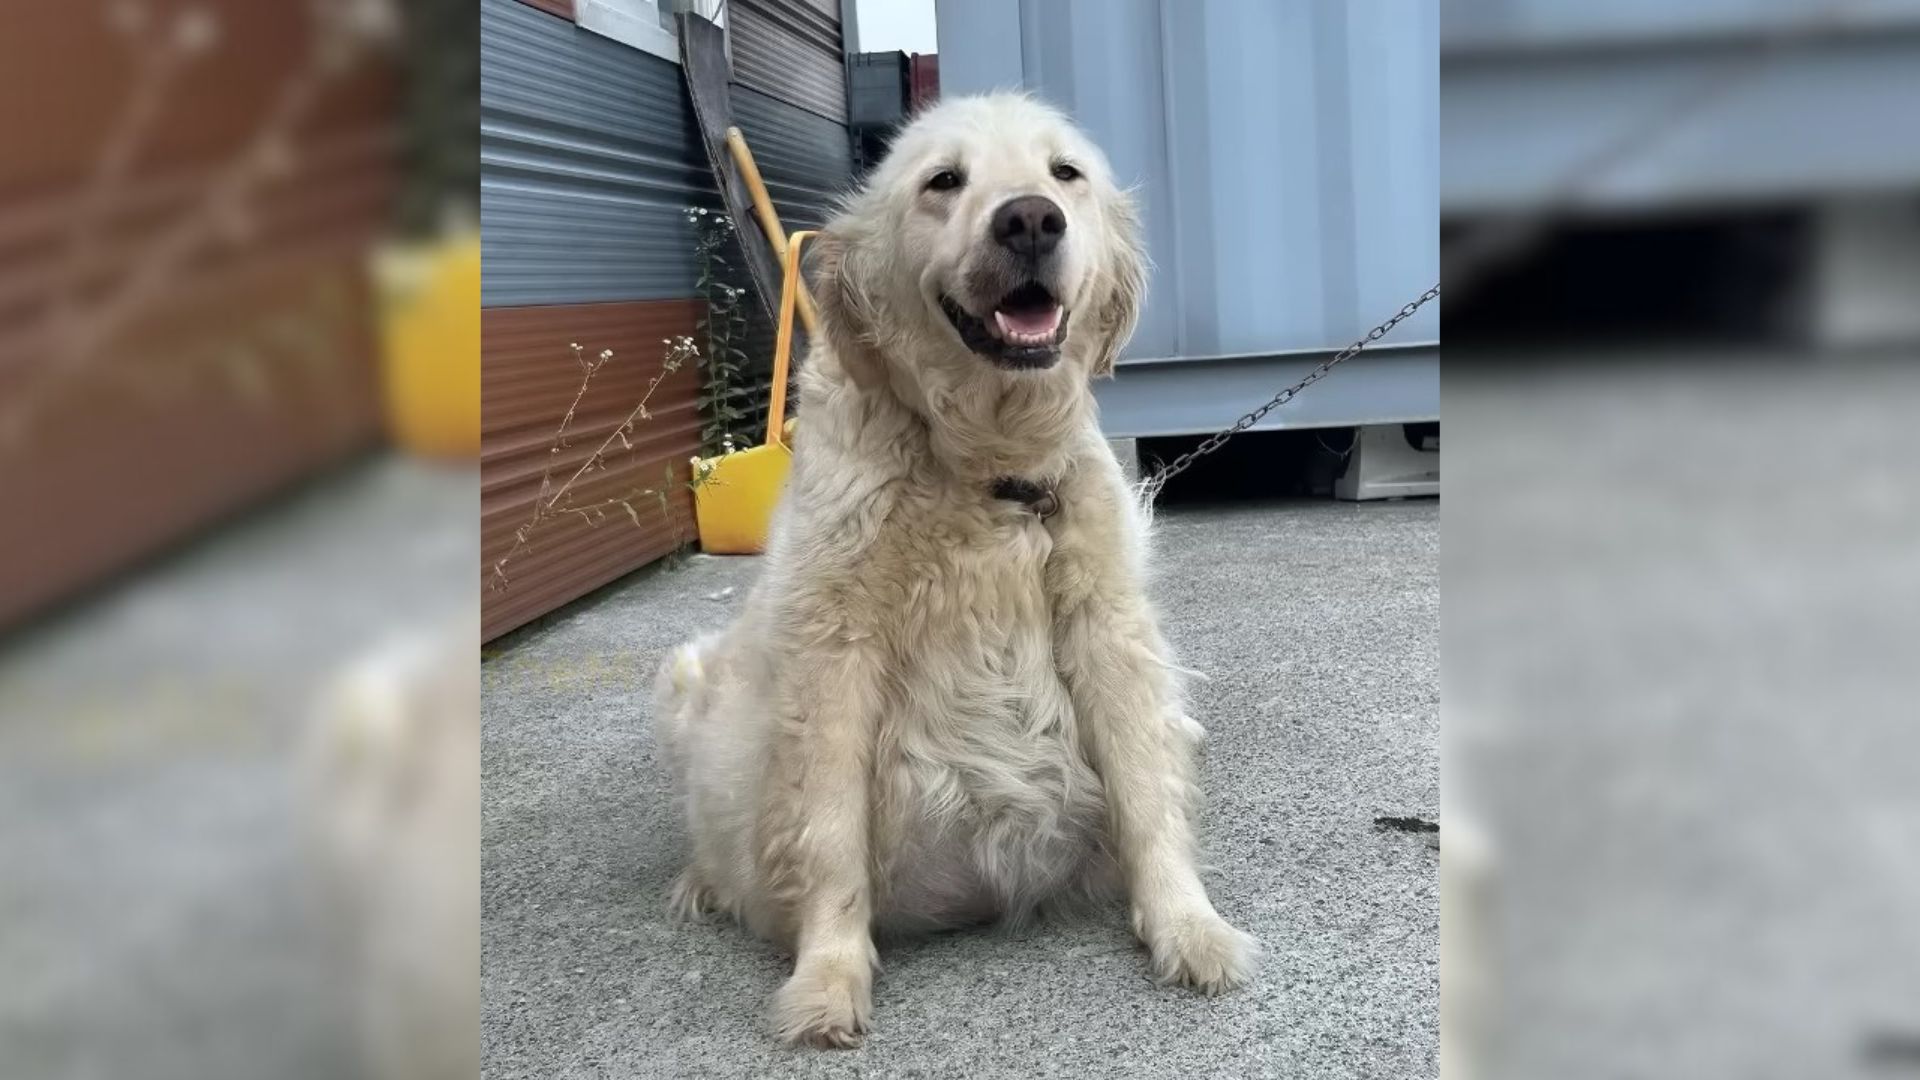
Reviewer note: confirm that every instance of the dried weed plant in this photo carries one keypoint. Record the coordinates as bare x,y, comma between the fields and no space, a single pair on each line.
553,503
164,41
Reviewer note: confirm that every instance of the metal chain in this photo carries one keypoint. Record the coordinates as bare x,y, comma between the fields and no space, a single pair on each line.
1216,440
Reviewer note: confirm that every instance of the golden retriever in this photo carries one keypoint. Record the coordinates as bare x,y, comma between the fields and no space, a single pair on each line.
947,699
391,786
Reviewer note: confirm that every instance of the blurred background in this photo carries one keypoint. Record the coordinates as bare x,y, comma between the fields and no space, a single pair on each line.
1681,248
239,411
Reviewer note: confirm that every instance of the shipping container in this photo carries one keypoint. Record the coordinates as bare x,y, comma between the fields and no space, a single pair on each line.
1286,158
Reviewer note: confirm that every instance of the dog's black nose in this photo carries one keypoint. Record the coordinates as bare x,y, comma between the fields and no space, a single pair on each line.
1030,226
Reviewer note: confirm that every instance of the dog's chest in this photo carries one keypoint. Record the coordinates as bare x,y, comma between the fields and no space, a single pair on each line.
983,761
978,612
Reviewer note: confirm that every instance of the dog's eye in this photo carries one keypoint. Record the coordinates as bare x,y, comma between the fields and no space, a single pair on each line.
1065,172
945,180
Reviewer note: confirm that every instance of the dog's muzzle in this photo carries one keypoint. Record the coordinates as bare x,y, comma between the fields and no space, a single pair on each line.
1023,332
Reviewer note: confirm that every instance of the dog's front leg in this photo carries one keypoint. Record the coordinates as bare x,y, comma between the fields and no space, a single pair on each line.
1115,665
816,855
1122,693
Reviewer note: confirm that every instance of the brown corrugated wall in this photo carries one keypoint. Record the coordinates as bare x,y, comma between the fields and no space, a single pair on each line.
529,379
590,158
216,349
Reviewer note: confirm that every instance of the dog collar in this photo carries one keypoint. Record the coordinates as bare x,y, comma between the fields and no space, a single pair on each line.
1041,500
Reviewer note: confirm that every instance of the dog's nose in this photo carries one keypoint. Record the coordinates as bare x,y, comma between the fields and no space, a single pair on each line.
1030,226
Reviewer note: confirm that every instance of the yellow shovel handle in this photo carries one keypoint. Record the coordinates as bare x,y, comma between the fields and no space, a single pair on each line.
790,289
769,218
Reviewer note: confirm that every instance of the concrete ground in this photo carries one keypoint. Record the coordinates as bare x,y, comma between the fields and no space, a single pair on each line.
155,894
1681,704
1318,625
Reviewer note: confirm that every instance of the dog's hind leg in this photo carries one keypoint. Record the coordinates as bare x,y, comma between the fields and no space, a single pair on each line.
680,692
680,700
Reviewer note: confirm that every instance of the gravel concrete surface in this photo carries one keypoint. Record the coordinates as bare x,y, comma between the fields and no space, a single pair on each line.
1317,624
1681,706
156,901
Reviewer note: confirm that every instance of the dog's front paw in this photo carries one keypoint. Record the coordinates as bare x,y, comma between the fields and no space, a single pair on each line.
826,1007
1200,949
690,900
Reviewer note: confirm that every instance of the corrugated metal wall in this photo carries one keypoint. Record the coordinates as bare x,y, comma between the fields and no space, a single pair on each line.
790,51
590,156
1287,157
1510,24
235,350
530,381
804,158
1757,102
1287,153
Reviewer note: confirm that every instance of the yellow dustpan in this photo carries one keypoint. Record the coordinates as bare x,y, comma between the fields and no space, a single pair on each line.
734,494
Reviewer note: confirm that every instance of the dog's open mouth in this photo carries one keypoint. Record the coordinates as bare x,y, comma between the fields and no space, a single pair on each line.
1024,331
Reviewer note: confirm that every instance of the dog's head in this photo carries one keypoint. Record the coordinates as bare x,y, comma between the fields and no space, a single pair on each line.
993,237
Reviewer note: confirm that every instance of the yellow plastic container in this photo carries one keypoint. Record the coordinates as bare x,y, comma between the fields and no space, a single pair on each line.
429,311
734,494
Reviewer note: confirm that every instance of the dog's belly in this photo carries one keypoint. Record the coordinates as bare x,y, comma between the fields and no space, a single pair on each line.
946,885
985,833
989,806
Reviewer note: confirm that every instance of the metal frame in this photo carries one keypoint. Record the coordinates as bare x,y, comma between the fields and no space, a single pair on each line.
1384,385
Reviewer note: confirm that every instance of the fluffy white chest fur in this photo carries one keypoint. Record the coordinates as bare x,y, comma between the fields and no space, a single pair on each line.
1002,811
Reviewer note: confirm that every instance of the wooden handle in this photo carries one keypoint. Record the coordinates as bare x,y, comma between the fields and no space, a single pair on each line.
792,288
769,218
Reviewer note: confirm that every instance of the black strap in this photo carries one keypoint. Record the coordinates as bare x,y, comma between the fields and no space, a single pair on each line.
1040,500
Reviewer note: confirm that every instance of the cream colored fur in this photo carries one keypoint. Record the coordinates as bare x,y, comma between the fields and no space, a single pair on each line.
936,708
391,790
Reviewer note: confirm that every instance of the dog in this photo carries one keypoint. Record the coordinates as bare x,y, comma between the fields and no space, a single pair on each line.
947,700
390,792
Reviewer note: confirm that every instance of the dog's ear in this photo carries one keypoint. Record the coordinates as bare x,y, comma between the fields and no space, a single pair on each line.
1123,287
846,308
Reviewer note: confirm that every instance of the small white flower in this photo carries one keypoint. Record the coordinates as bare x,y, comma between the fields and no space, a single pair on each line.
196,30
345,29
128,16
276,156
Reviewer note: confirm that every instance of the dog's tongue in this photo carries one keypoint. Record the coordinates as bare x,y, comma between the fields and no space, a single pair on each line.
1031,322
